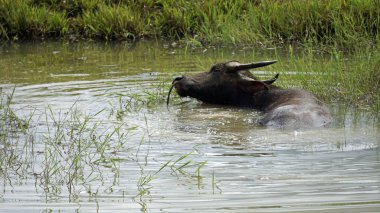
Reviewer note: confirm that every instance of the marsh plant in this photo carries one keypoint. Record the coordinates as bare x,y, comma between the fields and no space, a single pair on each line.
138,98
10,122
16,142
77,150
69,154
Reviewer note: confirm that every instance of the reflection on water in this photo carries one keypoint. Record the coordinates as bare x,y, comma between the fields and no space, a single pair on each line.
94,143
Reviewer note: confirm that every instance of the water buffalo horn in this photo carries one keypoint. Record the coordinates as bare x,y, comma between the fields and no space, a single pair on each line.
237,66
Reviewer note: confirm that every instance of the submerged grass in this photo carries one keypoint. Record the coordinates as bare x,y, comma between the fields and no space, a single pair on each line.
69,156
69,152
347,23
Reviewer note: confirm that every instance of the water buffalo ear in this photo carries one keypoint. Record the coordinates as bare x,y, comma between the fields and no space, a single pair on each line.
252,86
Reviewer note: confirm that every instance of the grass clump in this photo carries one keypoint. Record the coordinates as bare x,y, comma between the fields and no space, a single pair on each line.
19,19
116,22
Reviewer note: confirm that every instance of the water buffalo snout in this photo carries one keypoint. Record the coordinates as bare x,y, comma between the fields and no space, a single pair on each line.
177,85
181,85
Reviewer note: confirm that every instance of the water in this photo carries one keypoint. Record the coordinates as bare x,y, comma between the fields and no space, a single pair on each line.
101,138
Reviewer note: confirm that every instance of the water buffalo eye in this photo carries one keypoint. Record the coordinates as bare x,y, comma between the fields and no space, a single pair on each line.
216,69
213,70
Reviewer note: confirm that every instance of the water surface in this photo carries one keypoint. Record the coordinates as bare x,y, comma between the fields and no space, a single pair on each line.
100,138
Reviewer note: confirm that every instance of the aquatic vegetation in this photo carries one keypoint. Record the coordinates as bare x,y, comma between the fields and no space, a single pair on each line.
68,152
10,121
71,152
134,101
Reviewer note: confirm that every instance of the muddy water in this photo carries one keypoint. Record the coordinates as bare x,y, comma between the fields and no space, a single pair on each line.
100,138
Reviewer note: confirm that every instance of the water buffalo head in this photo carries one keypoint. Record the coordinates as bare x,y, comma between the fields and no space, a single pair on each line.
227,83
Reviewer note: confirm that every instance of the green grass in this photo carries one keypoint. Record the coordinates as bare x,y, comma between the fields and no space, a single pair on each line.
335,76
19,19
343,23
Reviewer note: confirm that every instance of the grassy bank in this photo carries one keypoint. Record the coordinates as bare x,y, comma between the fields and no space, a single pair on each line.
346,23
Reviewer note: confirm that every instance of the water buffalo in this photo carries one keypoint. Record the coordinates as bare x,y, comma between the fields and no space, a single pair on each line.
232,84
